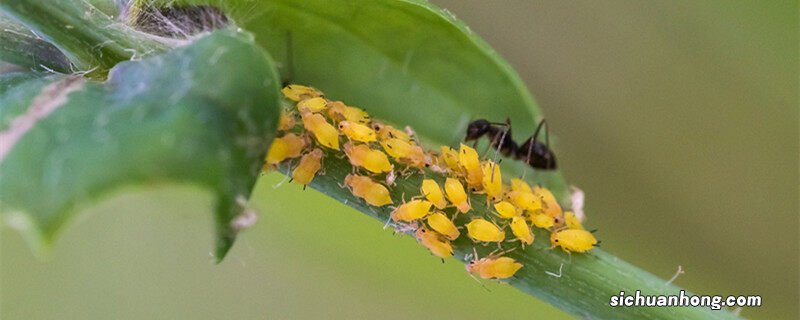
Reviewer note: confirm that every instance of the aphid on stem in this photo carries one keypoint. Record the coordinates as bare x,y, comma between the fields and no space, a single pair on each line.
430,189
309,165
470,163
361,155
372,192
521,230
493,267
435,242
506,210
285,147
573,240
296,92
341,112
438,221
356,131
492,181
412,210
484,231
315,105
456,194
323,131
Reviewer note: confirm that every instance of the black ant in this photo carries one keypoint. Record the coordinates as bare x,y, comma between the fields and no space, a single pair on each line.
500,137
533,152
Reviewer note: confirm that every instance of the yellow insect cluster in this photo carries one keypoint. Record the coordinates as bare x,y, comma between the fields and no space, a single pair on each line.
314,127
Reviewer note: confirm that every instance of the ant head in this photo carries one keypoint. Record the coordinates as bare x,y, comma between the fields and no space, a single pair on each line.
477,128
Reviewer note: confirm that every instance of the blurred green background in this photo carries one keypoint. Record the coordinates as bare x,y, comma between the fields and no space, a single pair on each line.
678,119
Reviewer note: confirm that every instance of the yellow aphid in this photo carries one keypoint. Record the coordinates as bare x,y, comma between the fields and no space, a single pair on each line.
340,111
323,131
286,147
494,268
455,193
412,210
482,230
405,152
357,131
573,240
550,207
439,246
469,161
506,209
286,121
572,221
416,157
439,222
397,148
312,104
430,189
521,230
309,165
450,157
520,185
468,157
362,155
525,200
492,181
386,132
297,92
541,220
363,187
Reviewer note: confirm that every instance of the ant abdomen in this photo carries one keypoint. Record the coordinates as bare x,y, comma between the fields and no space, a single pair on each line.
541,157
533,152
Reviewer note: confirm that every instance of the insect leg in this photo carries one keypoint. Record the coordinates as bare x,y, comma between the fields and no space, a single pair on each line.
499,145
543,123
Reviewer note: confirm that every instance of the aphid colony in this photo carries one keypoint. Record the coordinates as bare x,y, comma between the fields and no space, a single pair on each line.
314,127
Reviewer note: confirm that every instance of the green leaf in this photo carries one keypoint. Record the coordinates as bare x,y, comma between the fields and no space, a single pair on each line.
93,41
21,47
202,114
408,62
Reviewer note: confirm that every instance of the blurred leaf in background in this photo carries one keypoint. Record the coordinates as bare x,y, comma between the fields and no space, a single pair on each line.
680,122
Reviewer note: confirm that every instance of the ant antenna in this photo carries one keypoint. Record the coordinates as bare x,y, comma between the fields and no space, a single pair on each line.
479,282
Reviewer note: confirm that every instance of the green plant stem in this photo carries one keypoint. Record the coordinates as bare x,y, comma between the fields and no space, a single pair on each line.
586,281
90,39
21,47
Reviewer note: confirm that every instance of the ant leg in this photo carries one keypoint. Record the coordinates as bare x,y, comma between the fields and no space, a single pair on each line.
546,138
497,148
531,142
